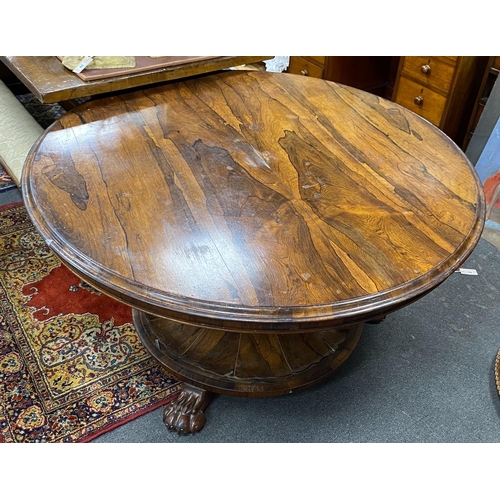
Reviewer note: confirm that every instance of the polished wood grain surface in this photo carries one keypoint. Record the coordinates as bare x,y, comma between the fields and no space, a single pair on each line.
253,200
50,82
254,221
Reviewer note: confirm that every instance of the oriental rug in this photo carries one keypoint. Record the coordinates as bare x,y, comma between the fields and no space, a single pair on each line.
72,366
44,114
6,183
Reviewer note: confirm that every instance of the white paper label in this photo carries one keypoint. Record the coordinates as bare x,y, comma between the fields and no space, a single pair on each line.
83,64
470,272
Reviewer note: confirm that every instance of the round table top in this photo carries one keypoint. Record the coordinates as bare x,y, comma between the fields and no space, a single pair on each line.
254,198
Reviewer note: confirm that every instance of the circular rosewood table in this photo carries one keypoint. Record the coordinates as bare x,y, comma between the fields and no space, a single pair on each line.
254,222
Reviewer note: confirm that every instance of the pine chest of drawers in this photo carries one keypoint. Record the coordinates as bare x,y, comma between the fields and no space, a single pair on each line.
441,89
308,66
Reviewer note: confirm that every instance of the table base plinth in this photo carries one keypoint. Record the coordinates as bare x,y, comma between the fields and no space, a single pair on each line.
238,364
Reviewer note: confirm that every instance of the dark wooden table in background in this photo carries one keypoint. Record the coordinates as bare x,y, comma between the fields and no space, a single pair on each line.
51,82
254,221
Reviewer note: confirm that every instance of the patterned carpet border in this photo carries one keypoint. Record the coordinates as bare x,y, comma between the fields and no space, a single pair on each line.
6,183
72,366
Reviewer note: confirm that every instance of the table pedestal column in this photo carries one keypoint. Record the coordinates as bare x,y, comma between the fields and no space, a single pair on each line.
238,364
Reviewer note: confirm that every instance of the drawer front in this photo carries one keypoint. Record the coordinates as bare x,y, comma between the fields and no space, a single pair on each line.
434,72
319,60
301,66
431,106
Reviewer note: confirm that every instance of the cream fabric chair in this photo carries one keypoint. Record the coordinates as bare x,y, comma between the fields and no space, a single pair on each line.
18,132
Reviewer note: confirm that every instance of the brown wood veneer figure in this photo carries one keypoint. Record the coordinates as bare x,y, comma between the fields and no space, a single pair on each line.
254,221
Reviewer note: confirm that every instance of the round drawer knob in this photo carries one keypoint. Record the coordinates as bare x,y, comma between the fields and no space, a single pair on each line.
419,100
425,69
304,72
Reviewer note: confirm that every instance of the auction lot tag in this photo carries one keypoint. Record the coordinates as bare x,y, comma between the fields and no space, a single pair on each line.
83,64
471,272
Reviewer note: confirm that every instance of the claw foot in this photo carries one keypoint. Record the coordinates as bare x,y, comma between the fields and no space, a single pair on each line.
186,413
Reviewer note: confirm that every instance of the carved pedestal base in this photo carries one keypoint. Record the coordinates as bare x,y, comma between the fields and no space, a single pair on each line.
238,364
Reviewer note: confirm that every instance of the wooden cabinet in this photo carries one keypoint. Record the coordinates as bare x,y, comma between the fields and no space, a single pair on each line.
441,89
370,73
308,66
